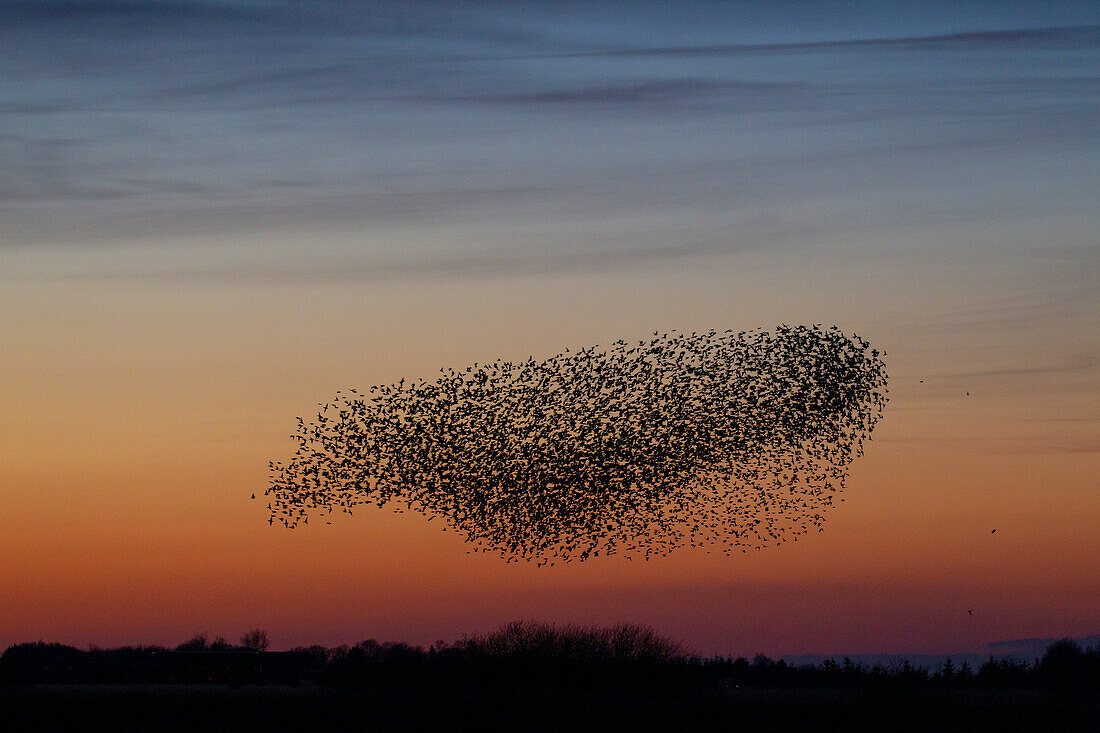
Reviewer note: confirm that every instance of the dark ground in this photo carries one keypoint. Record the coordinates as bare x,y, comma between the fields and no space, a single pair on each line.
323,708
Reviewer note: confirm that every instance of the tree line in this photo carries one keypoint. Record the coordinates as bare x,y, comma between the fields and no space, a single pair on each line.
517,654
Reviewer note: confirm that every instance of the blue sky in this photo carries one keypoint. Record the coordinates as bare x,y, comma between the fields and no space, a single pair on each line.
628,130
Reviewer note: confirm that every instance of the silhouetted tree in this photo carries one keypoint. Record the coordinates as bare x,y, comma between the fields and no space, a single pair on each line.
572,643
196,643
38,662
524,653
256,640
319,654
1064,664
220,644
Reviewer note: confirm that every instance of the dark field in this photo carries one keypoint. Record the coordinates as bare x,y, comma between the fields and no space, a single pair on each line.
251,707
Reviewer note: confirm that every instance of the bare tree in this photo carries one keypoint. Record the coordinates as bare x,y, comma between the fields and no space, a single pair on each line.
256,640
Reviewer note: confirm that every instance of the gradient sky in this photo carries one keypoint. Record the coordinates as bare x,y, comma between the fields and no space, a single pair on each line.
215,215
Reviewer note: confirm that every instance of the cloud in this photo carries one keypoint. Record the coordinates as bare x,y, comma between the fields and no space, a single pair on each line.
54,10
1062,38
172,121
661,93
509,261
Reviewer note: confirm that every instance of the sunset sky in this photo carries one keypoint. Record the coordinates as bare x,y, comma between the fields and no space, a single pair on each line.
213,216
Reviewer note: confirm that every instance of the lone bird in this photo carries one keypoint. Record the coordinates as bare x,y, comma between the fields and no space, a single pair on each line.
993,532
970,612
253,496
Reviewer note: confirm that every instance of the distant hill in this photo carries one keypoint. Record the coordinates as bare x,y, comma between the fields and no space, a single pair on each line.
1022,649
1031,648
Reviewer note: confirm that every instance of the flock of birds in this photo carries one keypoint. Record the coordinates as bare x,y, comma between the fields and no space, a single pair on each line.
730,440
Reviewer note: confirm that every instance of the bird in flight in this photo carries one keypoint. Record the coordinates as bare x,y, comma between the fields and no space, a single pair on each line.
733,439
970,612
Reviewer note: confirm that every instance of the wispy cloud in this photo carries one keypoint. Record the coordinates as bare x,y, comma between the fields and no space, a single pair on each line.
54,10
138,120
1061,38
278,267
666,93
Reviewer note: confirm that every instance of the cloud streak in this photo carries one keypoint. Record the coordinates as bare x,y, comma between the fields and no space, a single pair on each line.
334,117
1060,38
658,93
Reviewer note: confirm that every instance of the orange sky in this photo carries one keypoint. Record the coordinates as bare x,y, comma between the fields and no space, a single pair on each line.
140,418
